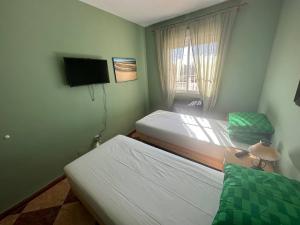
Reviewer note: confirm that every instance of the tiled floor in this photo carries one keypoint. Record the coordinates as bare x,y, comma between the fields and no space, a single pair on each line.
56,206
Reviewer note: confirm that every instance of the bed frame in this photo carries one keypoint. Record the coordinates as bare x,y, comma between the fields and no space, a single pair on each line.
191,154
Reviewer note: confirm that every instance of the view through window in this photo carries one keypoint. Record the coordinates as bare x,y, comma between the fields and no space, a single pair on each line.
186,77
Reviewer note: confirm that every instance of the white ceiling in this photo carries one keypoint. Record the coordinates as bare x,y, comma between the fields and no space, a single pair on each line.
147,12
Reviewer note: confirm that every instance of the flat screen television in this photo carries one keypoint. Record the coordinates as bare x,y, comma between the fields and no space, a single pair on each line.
297,96
83,71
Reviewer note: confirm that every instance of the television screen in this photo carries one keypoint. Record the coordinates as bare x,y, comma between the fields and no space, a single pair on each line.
80,71
297,96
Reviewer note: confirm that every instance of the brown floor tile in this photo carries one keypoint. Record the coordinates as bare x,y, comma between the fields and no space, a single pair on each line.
57,205
55,196
40,217
74,214
71,198
9,220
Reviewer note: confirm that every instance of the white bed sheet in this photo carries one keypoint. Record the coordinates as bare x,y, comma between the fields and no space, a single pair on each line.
126,182
185,130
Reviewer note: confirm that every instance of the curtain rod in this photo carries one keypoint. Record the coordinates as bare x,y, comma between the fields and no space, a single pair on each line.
198,17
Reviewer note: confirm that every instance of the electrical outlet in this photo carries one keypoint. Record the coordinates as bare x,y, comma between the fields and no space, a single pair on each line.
98,138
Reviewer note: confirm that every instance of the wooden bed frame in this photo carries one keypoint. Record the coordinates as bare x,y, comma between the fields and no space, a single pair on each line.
191,154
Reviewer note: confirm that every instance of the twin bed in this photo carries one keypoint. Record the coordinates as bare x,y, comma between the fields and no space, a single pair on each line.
200,139
128,182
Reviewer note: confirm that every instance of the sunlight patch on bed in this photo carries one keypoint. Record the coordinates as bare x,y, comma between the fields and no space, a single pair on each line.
203,130
197,132
203,122
188,119
212,136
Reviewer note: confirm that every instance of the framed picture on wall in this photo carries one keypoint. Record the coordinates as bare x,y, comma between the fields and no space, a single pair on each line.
124,69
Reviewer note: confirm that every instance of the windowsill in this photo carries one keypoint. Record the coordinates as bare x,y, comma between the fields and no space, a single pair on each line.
188,105
190,94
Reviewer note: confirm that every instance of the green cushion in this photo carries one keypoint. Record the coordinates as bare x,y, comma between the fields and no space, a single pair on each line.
249,122
249,127
256,197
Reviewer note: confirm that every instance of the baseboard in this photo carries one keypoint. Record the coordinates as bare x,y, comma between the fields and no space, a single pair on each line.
131,133
19,205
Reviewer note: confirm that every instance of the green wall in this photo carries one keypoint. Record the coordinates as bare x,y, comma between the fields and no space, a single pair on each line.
280,86
246,61
51,123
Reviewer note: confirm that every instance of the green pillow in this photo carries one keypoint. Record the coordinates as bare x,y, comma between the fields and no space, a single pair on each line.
256,197
249,122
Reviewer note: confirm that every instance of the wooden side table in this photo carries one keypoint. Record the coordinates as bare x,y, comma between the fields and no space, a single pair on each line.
246,160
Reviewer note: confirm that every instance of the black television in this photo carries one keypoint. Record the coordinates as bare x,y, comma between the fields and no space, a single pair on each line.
84,71
297,96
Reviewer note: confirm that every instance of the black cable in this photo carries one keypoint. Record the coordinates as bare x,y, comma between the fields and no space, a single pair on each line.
105,110
92,92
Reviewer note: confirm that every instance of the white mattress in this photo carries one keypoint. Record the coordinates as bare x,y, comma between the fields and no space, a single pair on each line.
185,130
126,182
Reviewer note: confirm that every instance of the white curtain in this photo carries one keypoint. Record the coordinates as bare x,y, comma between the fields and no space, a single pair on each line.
209,41
169,48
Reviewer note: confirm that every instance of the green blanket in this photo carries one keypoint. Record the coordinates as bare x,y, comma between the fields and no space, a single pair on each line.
250,138
249,127
256,197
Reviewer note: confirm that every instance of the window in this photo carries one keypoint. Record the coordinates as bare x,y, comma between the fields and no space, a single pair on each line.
186,80
186,77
